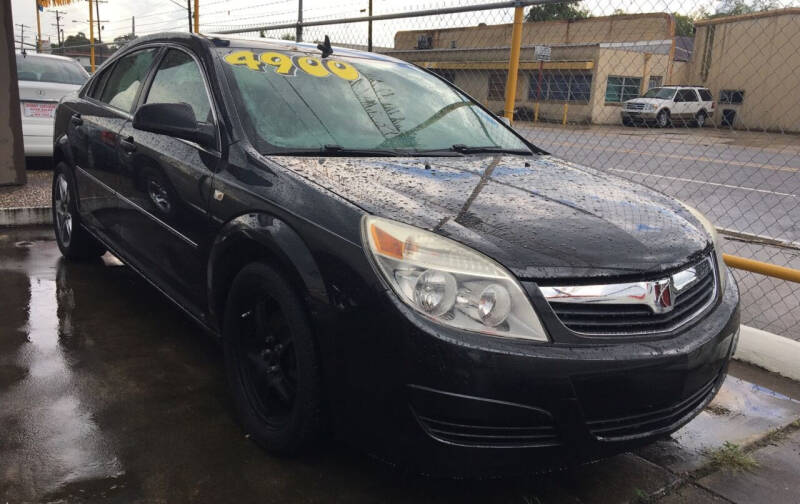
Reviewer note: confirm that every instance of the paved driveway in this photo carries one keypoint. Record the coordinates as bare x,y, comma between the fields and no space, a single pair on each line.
109,394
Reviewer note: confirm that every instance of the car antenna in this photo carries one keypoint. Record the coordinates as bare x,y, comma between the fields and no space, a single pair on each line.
325,47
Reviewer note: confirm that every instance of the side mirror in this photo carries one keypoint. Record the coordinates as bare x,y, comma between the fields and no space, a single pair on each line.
173,119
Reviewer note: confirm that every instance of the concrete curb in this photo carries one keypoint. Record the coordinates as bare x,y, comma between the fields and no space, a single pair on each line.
25,216
772,352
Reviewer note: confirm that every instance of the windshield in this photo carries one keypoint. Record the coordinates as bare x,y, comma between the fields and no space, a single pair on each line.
293,101
661,93
37,68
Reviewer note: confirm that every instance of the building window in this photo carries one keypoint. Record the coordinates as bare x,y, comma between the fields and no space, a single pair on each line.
731,97
448,75
561,86
497,84
655,81
424,42
620,89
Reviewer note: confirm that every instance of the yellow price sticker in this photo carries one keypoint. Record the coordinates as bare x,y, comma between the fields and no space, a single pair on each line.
284,64
246,58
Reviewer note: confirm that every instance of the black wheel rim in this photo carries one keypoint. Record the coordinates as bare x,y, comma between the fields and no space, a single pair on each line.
61,204
268,361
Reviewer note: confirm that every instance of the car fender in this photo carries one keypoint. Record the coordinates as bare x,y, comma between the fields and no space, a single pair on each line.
282,244
62,151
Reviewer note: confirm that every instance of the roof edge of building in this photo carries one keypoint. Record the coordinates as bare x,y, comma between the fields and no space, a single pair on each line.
745,17
643,15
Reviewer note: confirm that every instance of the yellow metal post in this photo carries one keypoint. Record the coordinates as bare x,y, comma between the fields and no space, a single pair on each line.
513,64
789,274
536,112
91,35
564,115
38,29
197,16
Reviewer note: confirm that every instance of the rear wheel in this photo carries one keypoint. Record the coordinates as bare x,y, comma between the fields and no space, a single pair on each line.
663,119
271,361
73,240
700,119
627,121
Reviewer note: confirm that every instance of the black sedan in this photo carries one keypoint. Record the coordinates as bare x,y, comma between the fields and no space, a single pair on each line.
384,259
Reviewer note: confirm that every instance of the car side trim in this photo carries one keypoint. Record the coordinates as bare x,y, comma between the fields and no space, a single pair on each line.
136,206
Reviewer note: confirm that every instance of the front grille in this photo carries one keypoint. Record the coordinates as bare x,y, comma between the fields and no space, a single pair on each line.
631,319
643,424
634,106
494,436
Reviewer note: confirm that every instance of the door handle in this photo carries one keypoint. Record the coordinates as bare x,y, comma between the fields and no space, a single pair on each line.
127,144
76,120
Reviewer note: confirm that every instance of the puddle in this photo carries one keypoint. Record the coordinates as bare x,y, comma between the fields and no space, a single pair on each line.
742,413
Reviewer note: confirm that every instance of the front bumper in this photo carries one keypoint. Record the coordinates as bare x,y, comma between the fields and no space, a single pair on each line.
638,115
448,402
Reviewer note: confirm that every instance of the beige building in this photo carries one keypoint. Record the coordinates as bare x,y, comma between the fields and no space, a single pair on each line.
594,64
751,63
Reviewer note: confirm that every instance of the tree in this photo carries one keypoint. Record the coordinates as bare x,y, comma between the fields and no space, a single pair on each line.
555,11
123,39
684,25
77,41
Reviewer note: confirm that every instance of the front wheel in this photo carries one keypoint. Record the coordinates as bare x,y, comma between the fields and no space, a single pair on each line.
271,361
73,241
662,119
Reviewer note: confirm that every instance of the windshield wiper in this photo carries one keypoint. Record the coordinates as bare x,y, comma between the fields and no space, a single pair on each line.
337,150
488,149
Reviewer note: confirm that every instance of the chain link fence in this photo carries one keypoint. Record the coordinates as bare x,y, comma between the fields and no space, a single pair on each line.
703,106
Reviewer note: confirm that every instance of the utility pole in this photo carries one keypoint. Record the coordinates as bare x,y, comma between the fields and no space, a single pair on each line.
133,26
38,28
91,36
189,11
299,32
58,14
197,16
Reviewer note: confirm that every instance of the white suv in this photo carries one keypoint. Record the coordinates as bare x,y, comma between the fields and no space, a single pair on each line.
689,104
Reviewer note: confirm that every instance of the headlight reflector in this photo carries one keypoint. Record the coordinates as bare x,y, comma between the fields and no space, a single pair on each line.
449,282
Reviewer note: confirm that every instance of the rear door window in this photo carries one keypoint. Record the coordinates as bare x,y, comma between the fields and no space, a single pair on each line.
126,78
689,95
705,95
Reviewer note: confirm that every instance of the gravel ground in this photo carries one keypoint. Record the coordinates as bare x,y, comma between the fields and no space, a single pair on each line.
36,193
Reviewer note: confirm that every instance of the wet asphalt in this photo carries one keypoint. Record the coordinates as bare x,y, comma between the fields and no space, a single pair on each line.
109,394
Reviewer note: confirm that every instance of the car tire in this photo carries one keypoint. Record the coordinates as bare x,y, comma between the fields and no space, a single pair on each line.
627,121
700,119
272,361
663,119
73,240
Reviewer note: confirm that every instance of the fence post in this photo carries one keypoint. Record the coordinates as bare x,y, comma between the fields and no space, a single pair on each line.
197,16
564,115
513,64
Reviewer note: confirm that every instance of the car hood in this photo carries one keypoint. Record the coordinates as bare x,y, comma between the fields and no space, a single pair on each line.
539,216
650,101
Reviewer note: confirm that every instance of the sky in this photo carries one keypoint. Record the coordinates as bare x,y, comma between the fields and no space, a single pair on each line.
170,15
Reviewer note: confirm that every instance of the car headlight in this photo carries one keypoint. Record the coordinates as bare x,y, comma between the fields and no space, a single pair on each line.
650,107
448,282
712,231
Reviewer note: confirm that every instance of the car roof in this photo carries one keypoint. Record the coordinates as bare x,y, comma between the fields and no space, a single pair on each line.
678,86
223,40
43,55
